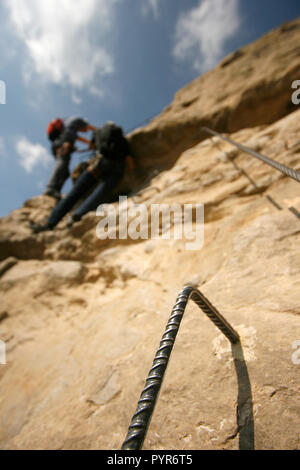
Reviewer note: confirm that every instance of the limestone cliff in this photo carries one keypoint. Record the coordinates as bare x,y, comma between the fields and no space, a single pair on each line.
82,317
251,87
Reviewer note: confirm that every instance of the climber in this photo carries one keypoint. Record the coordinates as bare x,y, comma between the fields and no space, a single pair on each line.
109,168
63,135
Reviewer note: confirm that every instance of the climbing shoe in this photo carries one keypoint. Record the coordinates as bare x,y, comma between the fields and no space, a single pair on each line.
53,193
37,228
72,219
70,222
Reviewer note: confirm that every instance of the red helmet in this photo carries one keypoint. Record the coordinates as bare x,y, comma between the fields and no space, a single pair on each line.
54,128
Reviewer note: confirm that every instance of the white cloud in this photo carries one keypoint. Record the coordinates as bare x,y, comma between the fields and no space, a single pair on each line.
97,92
67,40
75,98
150,6
32,155
201,33
2,147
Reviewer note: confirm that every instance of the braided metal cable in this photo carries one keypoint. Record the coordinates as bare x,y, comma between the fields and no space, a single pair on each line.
145,121
251,180
141,419
292,209
278,166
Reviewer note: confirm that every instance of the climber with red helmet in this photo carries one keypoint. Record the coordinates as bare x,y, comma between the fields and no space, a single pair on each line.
96,185
63,134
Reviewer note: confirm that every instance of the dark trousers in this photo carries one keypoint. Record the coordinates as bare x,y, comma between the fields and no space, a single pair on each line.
101,194
59,174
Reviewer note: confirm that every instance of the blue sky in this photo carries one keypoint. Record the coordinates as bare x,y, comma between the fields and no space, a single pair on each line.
120,60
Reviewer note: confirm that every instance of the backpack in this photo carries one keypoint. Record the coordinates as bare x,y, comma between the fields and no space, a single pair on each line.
110,141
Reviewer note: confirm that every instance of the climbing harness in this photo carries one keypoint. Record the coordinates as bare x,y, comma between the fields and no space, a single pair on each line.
141,419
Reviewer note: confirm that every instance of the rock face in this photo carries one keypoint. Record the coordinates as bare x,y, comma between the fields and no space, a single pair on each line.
251,87
82,317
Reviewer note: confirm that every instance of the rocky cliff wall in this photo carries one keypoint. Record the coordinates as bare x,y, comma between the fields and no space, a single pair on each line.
83,317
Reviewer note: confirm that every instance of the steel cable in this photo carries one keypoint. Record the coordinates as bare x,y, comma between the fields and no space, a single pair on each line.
283,168
278,166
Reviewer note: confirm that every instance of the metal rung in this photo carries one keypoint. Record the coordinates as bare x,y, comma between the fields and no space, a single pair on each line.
141,419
